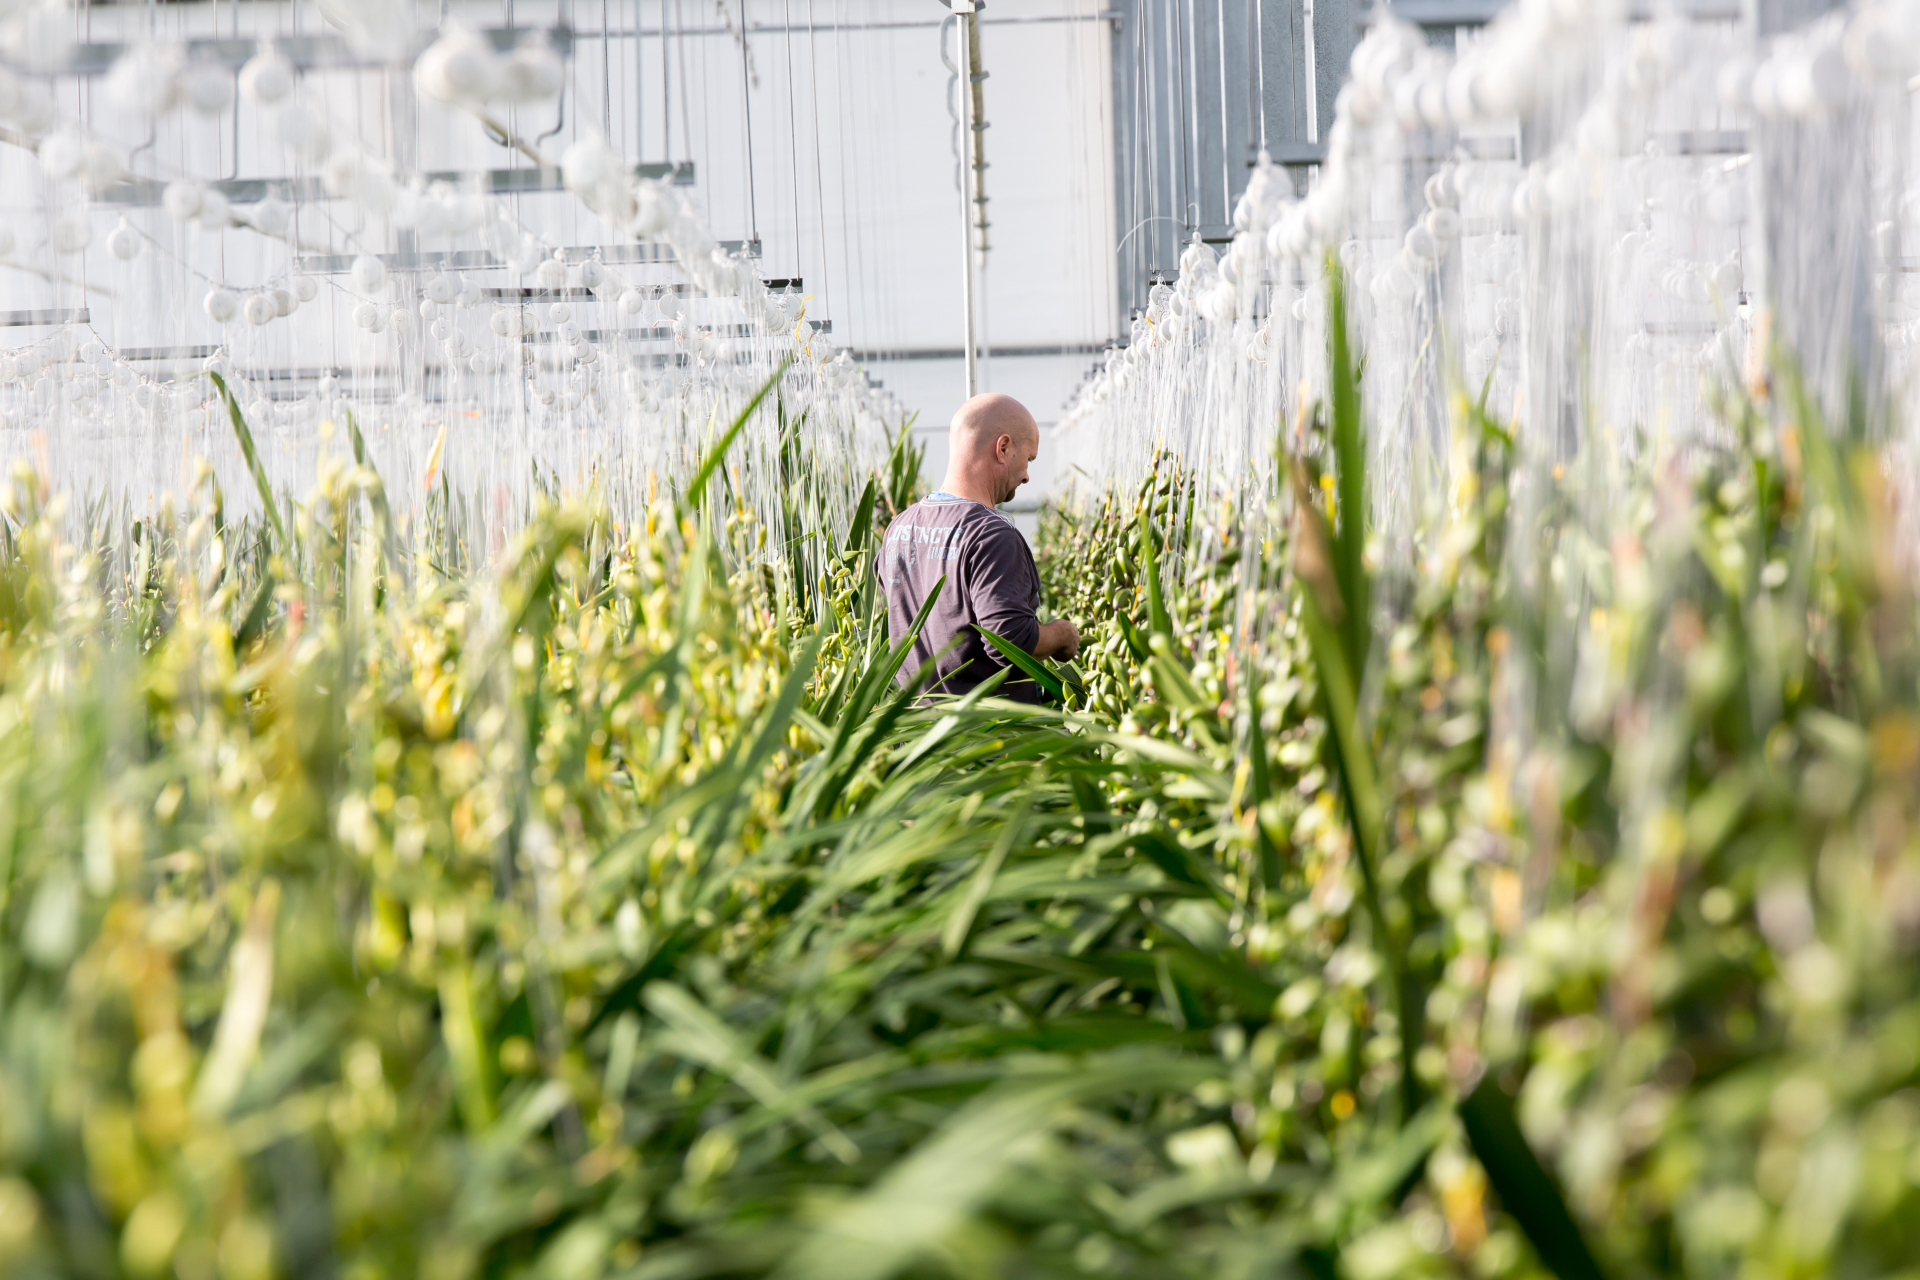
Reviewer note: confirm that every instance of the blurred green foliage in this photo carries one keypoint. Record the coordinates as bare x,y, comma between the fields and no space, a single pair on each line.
1542,901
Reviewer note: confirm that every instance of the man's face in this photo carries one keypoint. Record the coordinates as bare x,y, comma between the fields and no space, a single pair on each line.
1014,453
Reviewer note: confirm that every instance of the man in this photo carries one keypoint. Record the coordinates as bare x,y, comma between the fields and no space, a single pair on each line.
991,581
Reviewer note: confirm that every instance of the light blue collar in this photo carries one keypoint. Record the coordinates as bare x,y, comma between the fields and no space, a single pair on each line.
942,495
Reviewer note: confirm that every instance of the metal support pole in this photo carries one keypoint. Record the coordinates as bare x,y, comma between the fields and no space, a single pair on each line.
1310,64
965,91
975,176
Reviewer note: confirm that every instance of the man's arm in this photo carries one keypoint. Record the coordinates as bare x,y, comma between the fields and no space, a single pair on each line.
1005,594
1058,639
1001,587
1004,597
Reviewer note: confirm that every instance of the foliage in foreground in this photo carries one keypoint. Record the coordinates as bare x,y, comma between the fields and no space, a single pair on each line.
1644,852
610,915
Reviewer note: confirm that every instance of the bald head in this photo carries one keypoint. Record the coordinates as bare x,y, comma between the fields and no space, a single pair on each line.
977,422
991,440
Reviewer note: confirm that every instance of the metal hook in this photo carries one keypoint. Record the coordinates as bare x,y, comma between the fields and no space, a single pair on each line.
1143,222
559,120
153,132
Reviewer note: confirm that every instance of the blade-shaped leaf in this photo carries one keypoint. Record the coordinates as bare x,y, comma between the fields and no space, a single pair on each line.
712,1042
1527,1191
698,487
924,1197
252,455
1020,658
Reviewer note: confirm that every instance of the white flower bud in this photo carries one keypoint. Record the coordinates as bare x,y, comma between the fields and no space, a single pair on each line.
267,78
369,273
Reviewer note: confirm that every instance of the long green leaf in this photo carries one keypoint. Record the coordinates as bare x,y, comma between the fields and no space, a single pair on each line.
920,1201
1527,1191
259,610
1159,621
1259,782
1330,578
376,498
1349,451
708,1040
1013,653
954,936
879,672
719,451
252,455
862,525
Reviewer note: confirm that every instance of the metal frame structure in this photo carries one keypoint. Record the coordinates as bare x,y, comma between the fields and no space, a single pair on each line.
1201,88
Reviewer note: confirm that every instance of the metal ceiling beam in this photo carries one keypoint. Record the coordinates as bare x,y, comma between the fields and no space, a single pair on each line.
1443,14
144,192
320,52
481,259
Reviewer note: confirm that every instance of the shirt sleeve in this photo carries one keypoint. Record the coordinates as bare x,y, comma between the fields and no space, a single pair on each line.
1003,589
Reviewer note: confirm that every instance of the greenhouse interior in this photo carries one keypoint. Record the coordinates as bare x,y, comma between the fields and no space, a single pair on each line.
1392,751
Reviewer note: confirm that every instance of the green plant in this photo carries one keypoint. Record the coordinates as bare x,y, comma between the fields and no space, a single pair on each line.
607,912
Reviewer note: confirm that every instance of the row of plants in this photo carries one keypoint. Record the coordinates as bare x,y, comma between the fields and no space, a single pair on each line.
1543,904
1629,829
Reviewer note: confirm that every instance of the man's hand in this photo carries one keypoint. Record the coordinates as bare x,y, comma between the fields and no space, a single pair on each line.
1058,639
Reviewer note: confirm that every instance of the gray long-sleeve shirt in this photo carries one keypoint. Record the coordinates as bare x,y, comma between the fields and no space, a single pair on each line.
991,581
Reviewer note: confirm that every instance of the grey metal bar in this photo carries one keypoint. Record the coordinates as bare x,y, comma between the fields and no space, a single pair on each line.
18,319
454,260
1115,16
534,295
321,52
954,353
1436,13
1439,14
306,52
146,192
481,259
166,353
1301,154
576,291
1704,142
1295,153
664,332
